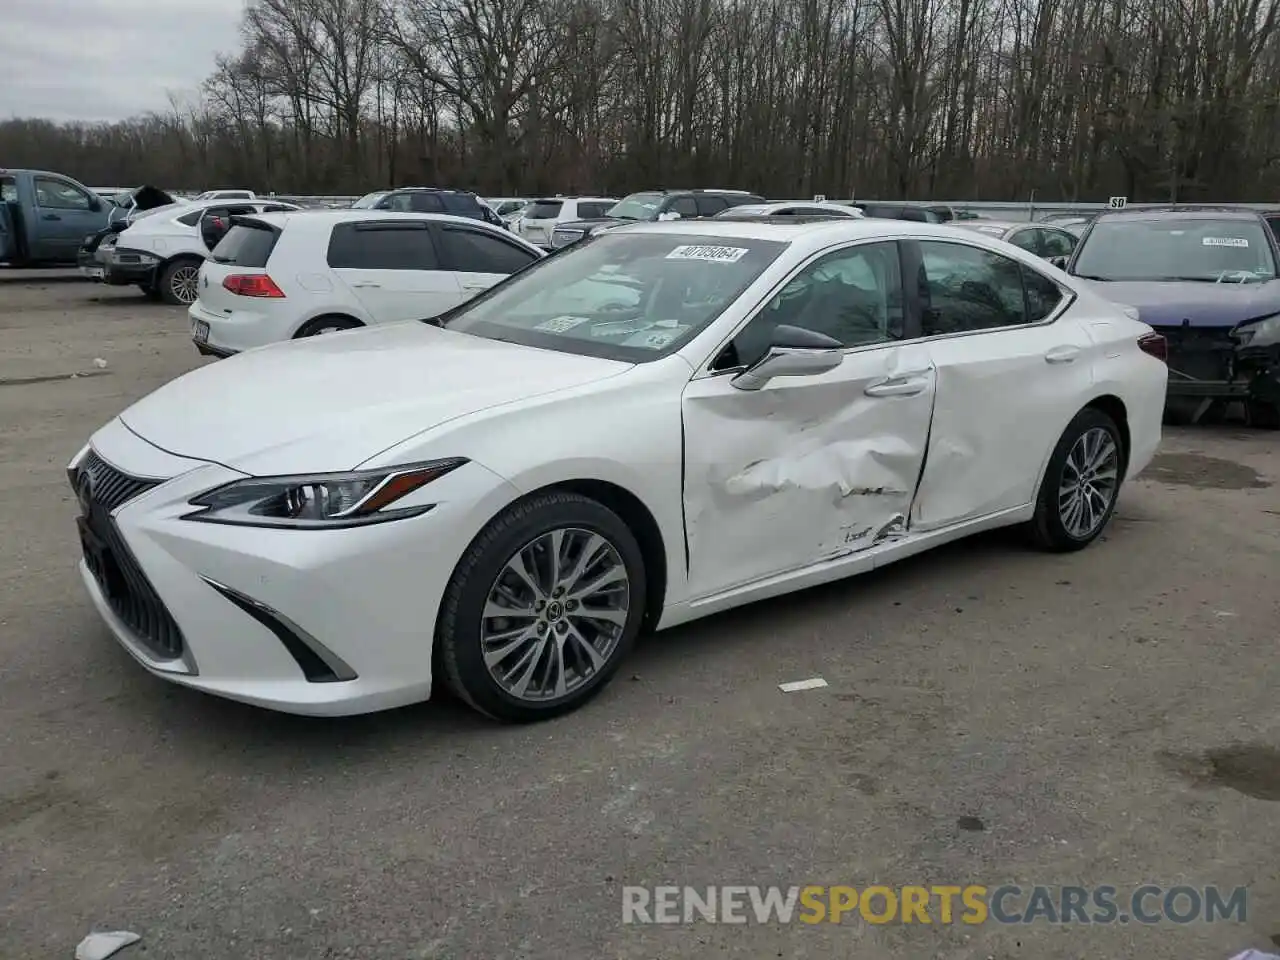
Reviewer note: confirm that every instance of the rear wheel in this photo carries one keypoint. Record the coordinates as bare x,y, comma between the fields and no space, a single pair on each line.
1081,485
542,608
177,284
328,324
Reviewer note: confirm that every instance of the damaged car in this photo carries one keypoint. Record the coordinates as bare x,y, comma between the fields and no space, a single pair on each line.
658,423
1206,280
127,208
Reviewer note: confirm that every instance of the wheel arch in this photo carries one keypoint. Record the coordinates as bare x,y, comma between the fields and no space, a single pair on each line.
335,314
1113,407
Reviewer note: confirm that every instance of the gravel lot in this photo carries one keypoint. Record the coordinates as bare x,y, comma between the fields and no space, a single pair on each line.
994,715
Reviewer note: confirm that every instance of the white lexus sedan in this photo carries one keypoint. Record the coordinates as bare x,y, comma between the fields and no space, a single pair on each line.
660,423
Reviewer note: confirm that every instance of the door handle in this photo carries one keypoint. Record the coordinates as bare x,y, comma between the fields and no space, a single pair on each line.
52,216
1063,354
366,284
908,386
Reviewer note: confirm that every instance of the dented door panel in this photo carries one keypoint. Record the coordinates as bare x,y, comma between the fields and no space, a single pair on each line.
808,468
1004,398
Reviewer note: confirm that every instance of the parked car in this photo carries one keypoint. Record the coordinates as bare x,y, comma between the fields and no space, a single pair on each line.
901,211
161,251
369,200
651,206
128,206
540,219
1042,239
789,208
224,195
44,217
1205,279
666,421
460,203
286,275
506,206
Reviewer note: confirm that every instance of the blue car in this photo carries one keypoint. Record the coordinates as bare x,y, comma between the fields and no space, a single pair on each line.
1206,279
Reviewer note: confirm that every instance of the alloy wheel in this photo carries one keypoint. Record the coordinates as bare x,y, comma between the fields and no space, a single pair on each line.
555,614
183,284
1090,477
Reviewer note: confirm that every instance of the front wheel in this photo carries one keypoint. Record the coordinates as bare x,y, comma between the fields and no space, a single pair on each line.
542,608
178,283
1081,485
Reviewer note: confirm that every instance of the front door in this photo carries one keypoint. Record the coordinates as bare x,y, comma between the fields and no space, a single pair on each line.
479,257
811,467
65,215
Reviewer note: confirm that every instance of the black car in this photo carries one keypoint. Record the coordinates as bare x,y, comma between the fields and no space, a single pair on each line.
1208,280
459,203
653,205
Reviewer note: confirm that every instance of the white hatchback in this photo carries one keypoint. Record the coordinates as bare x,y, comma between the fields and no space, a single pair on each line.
281,276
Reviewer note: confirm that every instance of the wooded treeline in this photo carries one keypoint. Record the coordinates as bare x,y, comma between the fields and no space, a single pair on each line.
963,99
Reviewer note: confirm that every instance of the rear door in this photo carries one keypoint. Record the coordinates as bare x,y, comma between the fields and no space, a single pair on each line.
65,214
1013,369
480,258
392,269
709,206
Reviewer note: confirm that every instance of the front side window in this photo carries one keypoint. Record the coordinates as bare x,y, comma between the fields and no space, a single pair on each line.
1057,243
965,289
382,246
853,296
472,251
637,206
685,206
1176,248
8,190
57,195
622,295
1027,239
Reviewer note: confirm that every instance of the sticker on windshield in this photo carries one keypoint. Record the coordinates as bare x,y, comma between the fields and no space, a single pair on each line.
659,340
1225,242
560,324
708,254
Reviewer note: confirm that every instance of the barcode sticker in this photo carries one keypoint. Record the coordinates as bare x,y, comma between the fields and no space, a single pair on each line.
1224,242
708,254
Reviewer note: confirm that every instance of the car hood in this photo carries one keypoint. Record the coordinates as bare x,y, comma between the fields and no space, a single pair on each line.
331,402
1177,303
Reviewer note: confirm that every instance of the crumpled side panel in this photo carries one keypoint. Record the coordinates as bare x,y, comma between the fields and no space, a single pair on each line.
802,470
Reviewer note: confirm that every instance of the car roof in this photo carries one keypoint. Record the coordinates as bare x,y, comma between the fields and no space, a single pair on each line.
809,232
1180,213
574,197
346,214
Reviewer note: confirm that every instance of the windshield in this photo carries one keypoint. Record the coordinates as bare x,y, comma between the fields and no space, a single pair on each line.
1176,249
637,206
368,200
632,296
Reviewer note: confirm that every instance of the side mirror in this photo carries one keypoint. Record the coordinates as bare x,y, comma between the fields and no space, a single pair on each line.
1059,262
793,352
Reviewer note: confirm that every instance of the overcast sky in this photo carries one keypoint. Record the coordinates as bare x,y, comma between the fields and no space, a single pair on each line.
108,59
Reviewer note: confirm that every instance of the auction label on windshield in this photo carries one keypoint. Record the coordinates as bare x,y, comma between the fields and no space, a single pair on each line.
1224,242
709,254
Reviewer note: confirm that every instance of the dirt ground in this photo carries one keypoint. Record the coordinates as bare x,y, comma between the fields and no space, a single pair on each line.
993,715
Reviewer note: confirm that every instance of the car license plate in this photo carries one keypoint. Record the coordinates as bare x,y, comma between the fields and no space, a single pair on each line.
200,332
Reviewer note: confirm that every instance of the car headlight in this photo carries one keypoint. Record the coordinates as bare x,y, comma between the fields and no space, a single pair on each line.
321,501
1266,330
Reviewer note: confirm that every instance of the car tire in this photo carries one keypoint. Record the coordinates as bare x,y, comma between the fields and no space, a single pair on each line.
1077,500
331,323
556,638
177,284
1263,414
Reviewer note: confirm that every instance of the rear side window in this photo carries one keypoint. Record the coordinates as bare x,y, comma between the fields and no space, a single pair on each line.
471,251
591,210
246,246
710,206
192,218
543,210
369,246
412,203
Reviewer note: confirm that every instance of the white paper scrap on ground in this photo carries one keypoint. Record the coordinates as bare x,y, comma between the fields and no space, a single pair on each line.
794,685
99,946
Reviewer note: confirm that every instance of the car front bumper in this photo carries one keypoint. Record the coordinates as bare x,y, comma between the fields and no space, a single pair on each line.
124,267
318,622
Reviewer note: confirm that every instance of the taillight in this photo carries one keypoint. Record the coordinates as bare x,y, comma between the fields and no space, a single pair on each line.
1156,345
253,285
